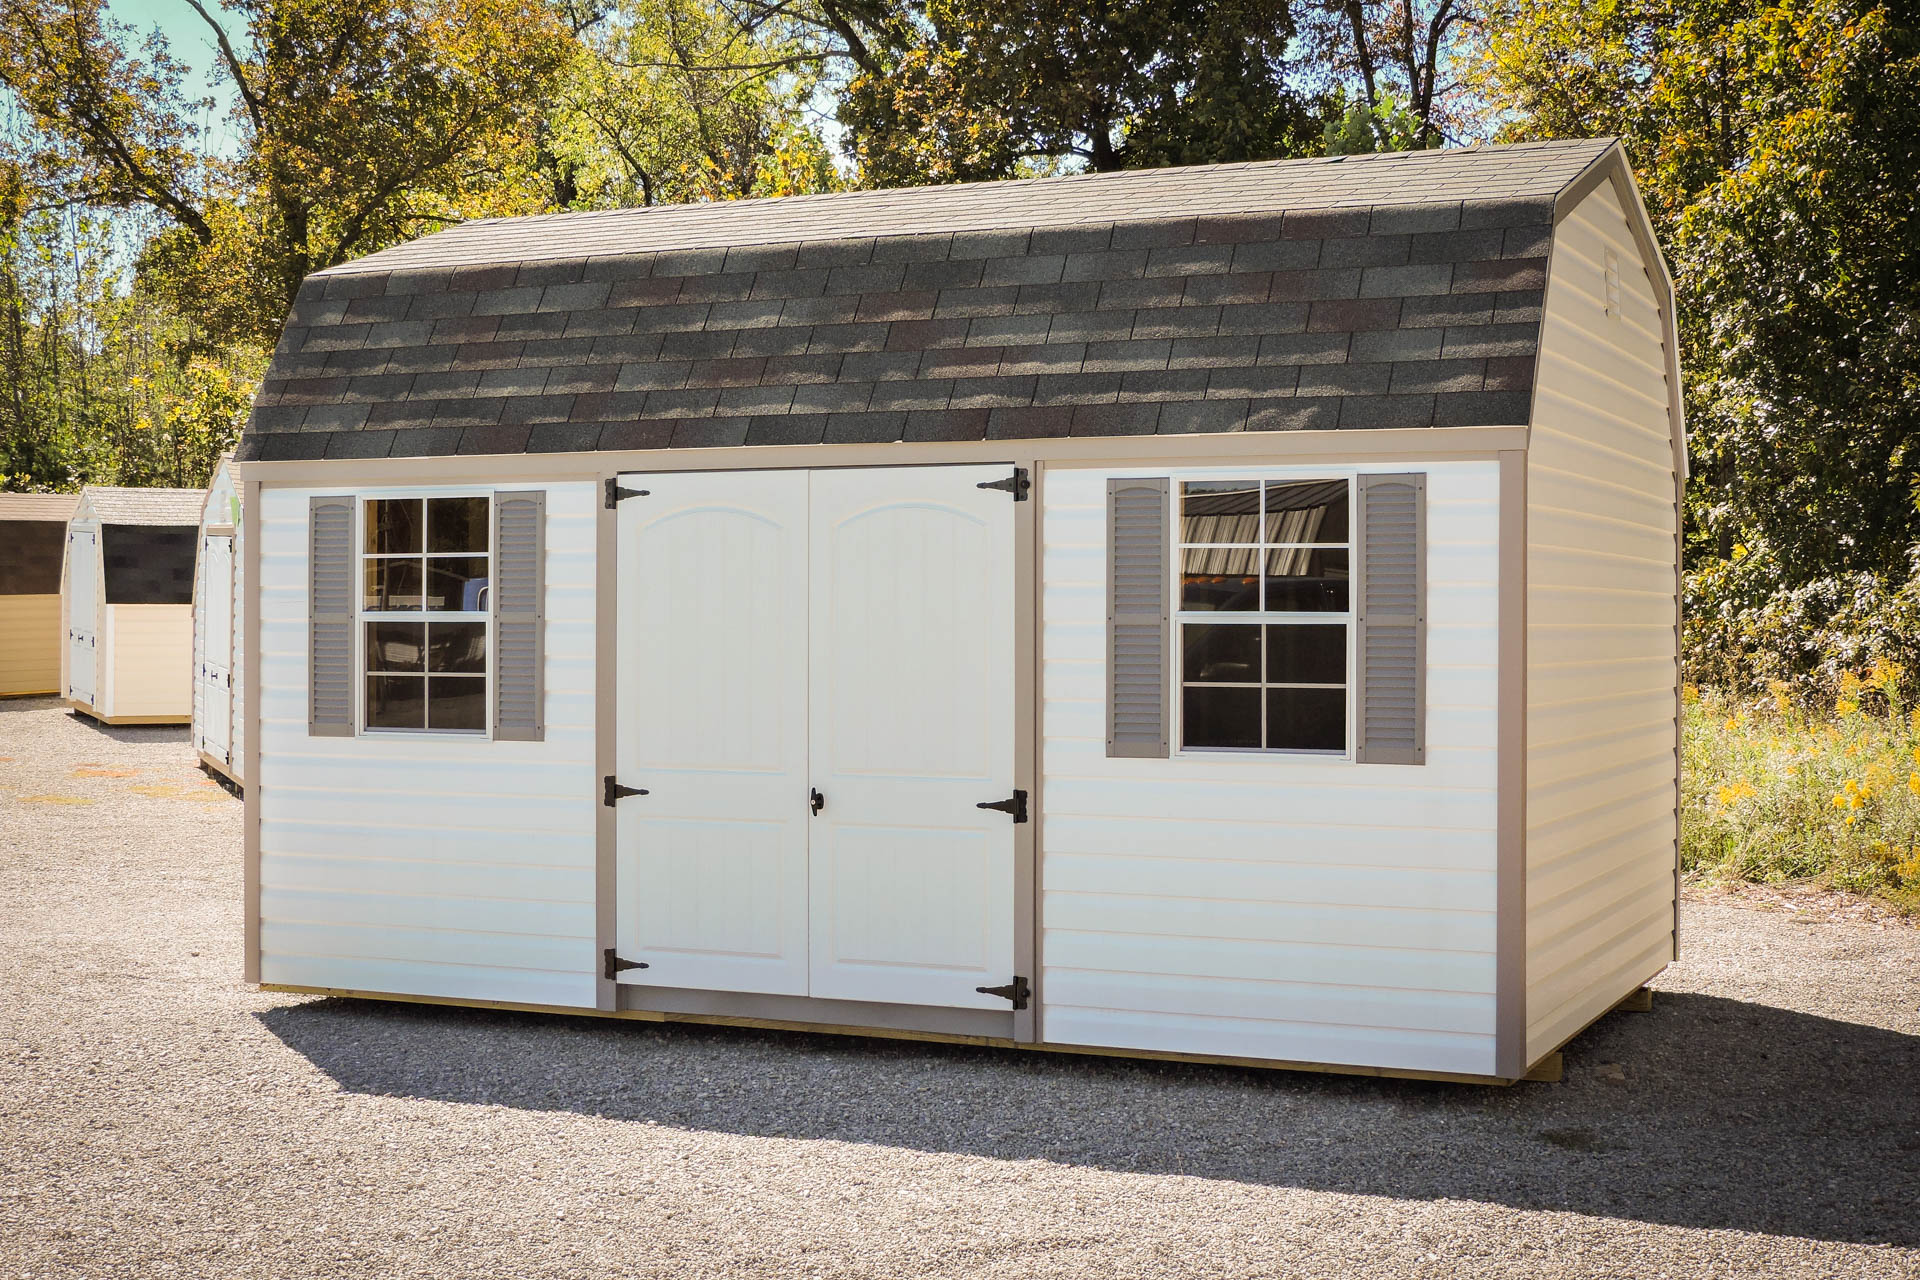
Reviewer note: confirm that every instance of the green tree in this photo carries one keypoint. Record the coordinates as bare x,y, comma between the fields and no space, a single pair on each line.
364,122
964,90
1776,143
676,100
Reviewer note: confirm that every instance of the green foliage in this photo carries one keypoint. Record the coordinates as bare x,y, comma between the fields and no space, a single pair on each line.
1771,793
1359,129
671,100
979,89
1776,143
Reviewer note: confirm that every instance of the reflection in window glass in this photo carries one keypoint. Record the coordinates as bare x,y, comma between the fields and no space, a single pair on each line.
425,600
1273,556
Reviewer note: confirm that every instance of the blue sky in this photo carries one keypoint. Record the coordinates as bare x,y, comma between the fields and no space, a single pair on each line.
192,43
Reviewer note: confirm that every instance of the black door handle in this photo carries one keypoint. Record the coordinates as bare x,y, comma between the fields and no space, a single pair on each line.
818,802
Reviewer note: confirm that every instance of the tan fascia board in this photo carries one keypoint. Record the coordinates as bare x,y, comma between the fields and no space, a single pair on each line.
1416,444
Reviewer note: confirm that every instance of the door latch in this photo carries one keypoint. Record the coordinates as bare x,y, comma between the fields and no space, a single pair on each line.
817,802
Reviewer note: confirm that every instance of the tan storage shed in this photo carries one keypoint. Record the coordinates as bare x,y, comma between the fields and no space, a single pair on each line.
33,530
128,596
1223,613
217,666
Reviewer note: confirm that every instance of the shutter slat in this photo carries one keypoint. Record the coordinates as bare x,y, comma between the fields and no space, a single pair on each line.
330,618
1391,698
519,551
1137,623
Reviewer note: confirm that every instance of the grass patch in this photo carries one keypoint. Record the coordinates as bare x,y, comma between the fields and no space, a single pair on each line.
1775,792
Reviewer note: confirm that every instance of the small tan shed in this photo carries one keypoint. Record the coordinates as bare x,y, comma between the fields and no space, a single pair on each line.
32,529
128,604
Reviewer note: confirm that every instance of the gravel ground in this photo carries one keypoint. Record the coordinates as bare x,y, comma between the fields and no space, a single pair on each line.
159,1118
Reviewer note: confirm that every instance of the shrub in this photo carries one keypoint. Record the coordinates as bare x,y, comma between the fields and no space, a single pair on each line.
1772,790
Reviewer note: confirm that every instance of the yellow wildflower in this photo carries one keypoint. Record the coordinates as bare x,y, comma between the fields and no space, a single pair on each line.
1740,790
1845,706
1689,693
1913,783
1783,704
1886,675
1733,723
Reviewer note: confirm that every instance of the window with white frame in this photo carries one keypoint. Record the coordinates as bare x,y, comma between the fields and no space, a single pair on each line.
424,612
1264,613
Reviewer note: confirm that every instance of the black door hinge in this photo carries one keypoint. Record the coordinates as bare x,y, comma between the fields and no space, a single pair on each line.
616,966
1015,805
615,492
1018,991
616,793
1019,484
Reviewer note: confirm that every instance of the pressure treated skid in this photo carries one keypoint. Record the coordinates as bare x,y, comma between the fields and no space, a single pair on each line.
1459,913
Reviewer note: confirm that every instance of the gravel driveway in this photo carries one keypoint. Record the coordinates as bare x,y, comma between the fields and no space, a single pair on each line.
159,1118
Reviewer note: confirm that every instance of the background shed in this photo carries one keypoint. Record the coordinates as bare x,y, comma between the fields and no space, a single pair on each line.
129,604
32,531
216,629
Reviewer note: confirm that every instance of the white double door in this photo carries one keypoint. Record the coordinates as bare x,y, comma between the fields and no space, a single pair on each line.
815,682
216,652
83,601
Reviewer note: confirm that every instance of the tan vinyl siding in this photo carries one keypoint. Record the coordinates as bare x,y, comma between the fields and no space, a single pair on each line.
152,655
30,636
1602,768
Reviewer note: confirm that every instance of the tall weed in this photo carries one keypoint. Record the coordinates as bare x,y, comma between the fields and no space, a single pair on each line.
1772,790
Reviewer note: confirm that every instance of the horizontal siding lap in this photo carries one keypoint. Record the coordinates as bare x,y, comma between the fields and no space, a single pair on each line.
424,978
1296,1003
1150,915
1255,1038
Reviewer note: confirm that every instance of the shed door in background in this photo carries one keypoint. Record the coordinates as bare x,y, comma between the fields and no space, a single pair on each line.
83,603
216,664
712,685
911,720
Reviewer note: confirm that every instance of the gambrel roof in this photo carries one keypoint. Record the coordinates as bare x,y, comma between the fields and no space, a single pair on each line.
1352,292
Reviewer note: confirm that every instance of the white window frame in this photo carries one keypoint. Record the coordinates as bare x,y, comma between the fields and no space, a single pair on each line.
363,615
1179,618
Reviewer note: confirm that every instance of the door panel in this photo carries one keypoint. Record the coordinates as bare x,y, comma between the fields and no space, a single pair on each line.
216,666
83,595
911,728
712,660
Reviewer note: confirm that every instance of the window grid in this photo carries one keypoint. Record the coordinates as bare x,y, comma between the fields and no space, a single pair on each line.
1259,564
421,615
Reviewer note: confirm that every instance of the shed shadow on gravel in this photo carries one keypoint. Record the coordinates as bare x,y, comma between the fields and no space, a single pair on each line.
1732,1115
133,733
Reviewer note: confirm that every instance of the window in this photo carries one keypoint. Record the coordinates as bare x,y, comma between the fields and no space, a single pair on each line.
424,612
1263,614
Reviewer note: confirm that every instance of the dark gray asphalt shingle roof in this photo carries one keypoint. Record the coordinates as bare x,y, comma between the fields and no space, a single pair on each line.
1400,290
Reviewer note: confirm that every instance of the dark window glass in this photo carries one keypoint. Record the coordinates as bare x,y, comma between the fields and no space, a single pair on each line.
456,702
1220,511
1307,719
1221,654
1305,655
392,584
457,524
457,582
1306,511
396,702
1220,717
1300,580
396,646
1220,578
457,647
393,526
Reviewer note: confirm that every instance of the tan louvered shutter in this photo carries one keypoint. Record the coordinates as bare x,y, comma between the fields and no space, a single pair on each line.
330,618
519,551
1138,564
1392,562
